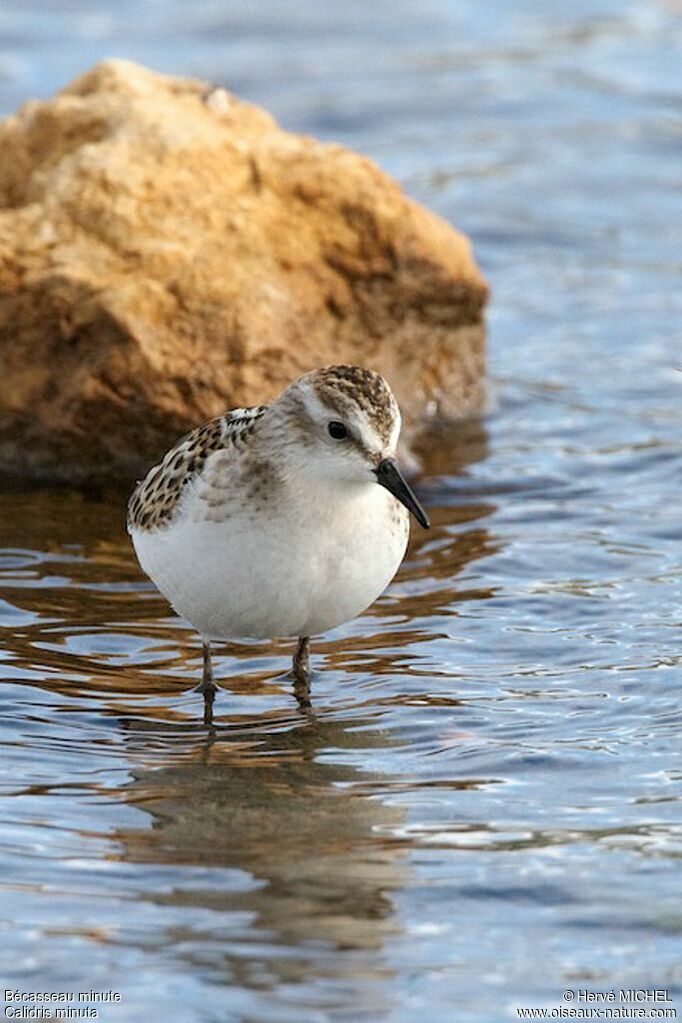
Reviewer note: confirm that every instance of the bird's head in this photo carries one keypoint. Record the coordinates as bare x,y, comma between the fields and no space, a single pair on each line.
342,424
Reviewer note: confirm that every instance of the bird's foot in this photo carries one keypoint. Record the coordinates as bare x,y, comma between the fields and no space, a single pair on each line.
302,690
208,689
300,672
207,686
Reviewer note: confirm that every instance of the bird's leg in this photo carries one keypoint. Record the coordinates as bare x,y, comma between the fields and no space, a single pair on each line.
301,671
301,665
207,686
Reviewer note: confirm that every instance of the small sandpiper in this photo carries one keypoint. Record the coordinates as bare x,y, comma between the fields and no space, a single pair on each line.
268,521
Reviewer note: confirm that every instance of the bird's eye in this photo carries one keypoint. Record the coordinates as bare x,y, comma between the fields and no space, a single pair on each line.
337,430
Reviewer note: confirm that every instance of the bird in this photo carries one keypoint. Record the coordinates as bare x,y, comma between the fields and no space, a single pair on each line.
282,520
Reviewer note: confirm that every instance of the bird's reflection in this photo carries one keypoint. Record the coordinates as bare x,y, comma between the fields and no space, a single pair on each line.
268,803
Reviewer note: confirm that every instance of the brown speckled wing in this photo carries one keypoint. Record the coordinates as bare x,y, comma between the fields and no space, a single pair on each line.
155,499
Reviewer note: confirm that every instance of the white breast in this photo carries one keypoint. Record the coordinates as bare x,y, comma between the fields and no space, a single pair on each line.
291,568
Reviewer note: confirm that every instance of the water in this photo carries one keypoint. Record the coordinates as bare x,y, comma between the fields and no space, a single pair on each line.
484,808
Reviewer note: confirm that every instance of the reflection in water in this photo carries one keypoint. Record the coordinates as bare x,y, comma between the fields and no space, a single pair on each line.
266,805
443,448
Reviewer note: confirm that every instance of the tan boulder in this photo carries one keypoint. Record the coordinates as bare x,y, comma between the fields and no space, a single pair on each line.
167,252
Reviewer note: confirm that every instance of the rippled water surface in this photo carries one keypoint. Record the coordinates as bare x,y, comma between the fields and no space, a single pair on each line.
483,809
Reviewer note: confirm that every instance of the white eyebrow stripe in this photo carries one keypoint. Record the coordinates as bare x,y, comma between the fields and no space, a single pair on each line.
369,436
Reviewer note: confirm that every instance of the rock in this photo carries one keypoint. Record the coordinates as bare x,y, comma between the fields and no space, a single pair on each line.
167,252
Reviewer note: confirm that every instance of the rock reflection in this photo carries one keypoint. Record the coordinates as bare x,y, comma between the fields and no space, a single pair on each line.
446,448
264,802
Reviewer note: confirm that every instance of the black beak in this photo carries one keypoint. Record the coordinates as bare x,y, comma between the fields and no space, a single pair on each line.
389,475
